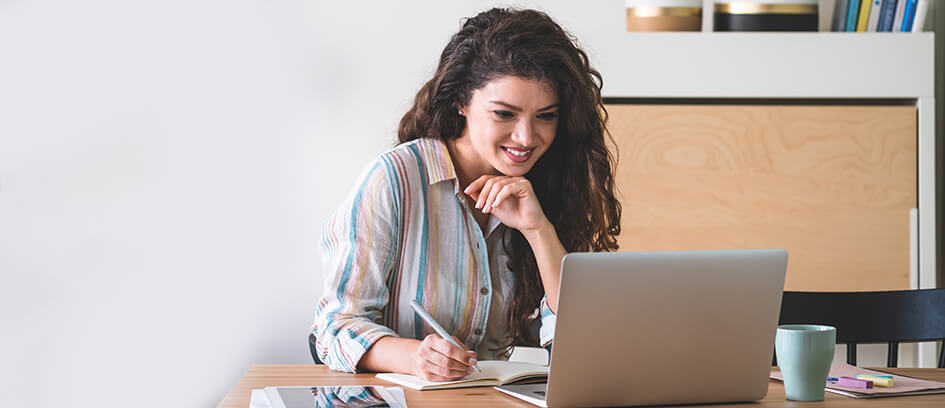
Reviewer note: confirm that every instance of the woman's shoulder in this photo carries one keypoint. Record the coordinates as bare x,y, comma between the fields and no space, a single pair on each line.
409,159
418,149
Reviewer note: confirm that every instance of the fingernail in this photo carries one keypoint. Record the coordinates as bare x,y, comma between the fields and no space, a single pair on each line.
486,209
467,189
478,204
472,361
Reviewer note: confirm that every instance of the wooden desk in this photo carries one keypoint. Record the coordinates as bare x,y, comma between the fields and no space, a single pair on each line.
260,376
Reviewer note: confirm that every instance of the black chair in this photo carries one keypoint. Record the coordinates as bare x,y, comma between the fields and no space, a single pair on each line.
872,317
311,348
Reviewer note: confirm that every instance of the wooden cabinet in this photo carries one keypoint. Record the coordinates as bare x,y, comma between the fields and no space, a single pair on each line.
834,185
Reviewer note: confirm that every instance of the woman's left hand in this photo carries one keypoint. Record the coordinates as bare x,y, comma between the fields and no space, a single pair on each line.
511,199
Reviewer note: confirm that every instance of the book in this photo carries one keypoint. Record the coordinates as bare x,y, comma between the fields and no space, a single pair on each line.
907,15
887,13
864,15
335,396
494,372
901,385
900,12
840,15
921,10
873,24
852,11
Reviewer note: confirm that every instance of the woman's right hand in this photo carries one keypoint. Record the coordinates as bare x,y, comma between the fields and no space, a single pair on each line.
438,360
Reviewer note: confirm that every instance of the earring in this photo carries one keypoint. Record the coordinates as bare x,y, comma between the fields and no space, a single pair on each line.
460,111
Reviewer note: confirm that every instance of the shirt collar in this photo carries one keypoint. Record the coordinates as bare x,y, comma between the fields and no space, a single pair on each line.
439,167
438,162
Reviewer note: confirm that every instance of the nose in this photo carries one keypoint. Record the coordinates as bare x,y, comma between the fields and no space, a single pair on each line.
524,132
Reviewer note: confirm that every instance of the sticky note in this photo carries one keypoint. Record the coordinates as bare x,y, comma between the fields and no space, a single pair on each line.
854,383
877,380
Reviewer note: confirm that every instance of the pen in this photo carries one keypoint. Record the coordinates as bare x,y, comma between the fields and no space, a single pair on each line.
436,326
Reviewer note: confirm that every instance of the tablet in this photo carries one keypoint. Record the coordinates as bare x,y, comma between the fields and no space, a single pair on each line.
338,396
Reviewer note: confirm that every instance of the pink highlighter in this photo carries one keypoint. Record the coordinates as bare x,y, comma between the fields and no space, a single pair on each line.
854,382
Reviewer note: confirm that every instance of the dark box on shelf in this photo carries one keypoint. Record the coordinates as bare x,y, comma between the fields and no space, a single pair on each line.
765,15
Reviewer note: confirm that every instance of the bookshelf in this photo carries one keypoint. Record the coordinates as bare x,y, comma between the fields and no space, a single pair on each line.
794,69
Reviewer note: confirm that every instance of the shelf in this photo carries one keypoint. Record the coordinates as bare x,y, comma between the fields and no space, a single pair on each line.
768,65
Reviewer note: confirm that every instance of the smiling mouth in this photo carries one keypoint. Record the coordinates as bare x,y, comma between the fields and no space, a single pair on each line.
517,152
518,155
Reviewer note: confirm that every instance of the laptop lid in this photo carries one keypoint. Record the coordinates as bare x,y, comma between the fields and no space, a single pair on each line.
674,327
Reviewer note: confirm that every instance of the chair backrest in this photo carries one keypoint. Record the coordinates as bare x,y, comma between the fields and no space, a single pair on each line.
872,317
311,348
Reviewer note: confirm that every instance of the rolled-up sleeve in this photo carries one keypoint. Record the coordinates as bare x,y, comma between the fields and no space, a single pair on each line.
360,244
546,333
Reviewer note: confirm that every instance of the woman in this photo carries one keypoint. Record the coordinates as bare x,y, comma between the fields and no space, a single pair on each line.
502,169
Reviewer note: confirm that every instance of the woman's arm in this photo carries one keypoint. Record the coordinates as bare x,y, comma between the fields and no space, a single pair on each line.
390,355
513,201
356,243
432,359
548,252
360,247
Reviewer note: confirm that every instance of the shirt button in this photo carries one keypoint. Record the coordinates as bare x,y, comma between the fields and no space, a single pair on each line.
478,332
484,291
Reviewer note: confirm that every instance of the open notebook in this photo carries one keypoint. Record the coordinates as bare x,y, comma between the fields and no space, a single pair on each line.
494,372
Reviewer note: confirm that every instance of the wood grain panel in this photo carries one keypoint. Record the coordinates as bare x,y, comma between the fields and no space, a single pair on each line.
831,184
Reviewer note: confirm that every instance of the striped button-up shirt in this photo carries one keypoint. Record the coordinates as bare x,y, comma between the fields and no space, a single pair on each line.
405,233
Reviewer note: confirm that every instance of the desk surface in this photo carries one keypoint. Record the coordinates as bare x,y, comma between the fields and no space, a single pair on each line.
260,376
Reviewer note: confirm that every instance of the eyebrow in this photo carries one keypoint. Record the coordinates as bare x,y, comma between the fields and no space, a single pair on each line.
517,109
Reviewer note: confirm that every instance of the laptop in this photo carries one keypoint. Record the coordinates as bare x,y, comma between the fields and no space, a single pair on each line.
660,328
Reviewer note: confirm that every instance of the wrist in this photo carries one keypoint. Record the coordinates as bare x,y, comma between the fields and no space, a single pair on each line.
391,354
412,356
544,230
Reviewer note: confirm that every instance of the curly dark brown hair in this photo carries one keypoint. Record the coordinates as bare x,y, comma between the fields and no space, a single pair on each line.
574,179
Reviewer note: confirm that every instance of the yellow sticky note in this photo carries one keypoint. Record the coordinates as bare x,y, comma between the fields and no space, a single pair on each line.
877,381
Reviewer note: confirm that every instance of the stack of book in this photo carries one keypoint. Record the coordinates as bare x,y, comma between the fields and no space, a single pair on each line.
880,15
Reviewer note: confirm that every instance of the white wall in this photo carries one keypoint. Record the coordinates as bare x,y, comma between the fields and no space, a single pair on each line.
165,168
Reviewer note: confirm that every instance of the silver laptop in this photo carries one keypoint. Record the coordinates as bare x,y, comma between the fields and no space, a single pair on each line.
655,328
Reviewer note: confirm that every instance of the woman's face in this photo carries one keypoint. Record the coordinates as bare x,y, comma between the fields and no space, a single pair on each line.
510,123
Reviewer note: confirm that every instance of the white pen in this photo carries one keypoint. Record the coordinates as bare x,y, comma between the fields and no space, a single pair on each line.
436,326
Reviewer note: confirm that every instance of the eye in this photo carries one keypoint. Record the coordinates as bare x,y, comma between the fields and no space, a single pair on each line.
548,115
502,114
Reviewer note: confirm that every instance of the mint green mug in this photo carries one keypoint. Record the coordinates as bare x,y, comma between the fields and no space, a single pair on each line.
804,355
